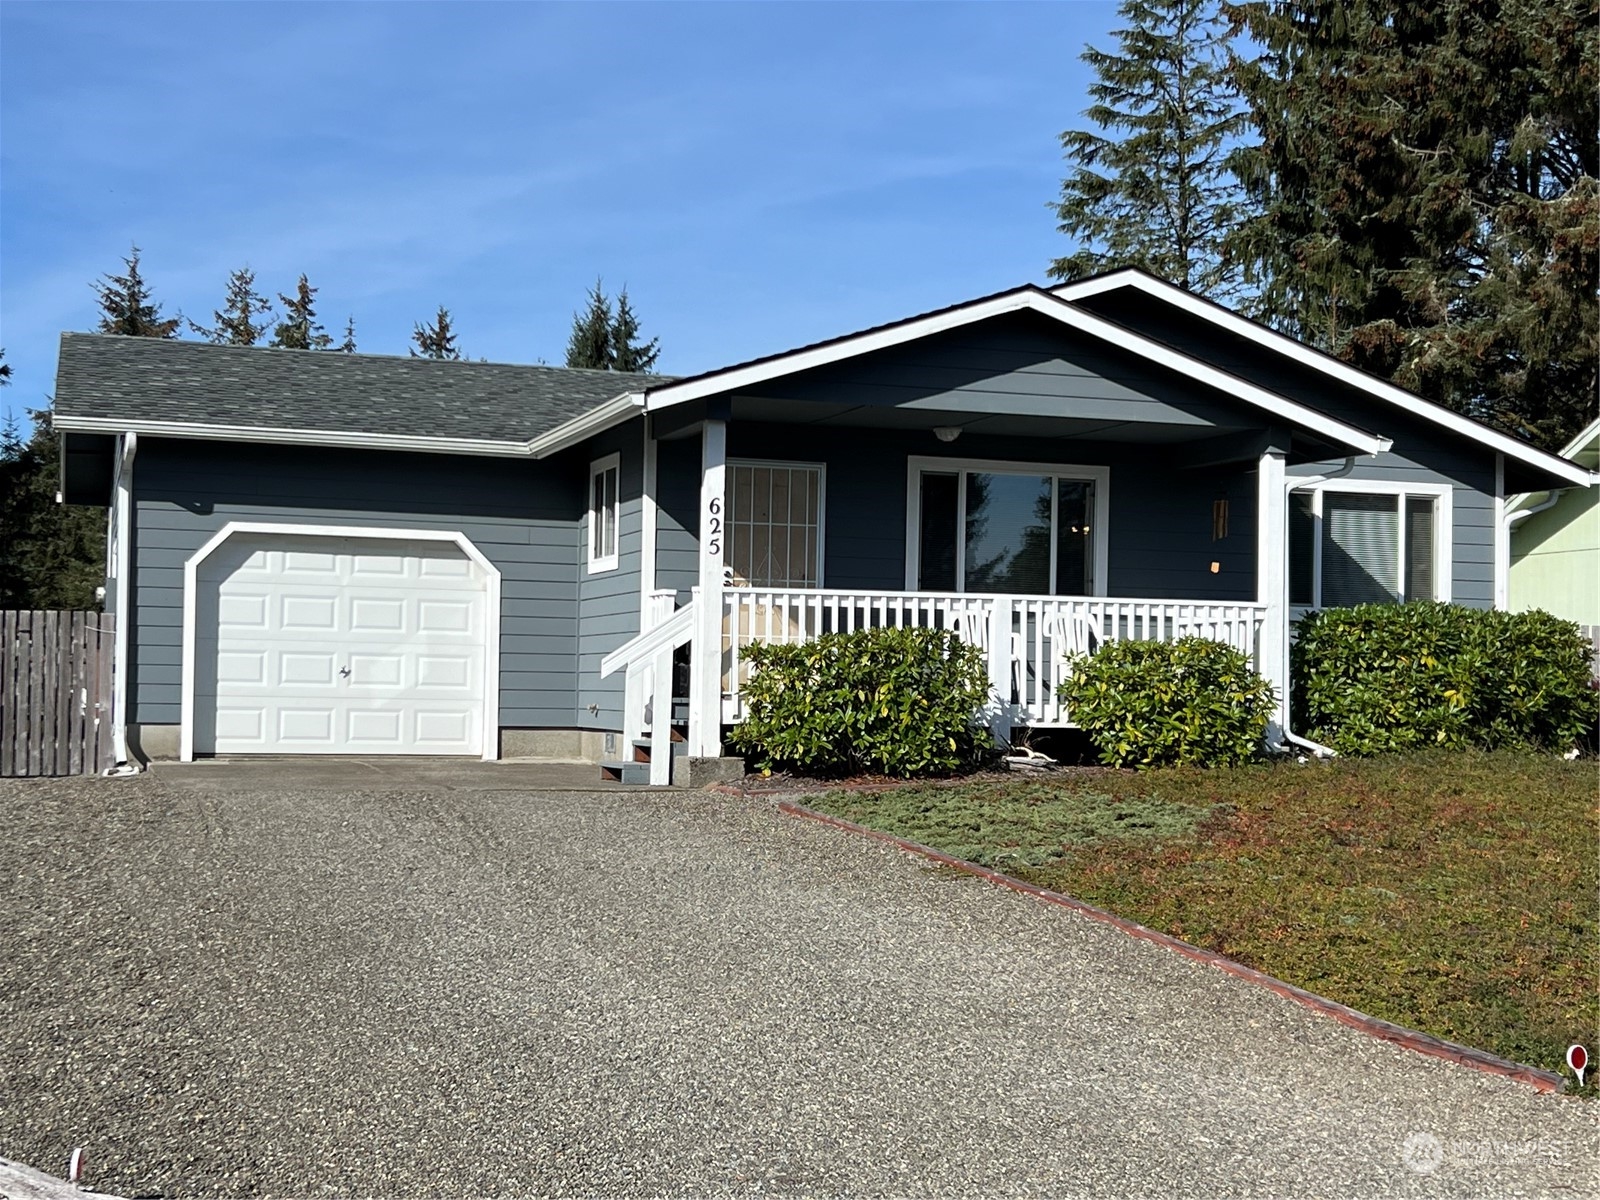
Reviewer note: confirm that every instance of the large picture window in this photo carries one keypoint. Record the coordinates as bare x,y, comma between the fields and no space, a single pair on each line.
1015,528
775,524
1360,543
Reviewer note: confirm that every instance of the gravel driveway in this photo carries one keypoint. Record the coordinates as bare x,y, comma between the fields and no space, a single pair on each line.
487,992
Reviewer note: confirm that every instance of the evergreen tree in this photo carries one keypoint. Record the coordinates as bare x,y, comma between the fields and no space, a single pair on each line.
590,343
1151,188
1426,176
348,346
436,340
628,352
236,319
299,329
51,555
126,308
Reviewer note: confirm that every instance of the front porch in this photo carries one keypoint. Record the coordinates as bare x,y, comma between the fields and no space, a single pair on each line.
1027,639
1034,480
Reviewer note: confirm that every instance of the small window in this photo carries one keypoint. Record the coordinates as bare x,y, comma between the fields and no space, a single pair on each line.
604,476
1369,546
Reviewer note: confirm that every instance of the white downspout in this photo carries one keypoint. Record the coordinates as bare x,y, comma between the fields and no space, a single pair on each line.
123,557
1290,485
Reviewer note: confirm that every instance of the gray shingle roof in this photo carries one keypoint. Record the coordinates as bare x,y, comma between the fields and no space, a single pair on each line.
148,379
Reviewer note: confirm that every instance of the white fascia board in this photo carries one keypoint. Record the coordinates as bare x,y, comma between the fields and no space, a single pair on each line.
597,420
1030,299
1327,365
291,437
1587,435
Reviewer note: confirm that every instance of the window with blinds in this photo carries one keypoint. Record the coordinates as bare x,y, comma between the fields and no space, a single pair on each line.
1349,548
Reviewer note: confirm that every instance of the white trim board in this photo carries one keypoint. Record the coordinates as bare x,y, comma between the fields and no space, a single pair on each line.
1100,476
569,433
1029,299
491,650
1281,344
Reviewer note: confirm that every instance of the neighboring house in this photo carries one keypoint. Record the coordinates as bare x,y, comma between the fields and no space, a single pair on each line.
325,553
1555,543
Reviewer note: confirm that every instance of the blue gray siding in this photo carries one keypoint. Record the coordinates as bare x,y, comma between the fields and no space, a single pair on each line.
1160,537
1019,365
1423,452
608,601
523,516
678,509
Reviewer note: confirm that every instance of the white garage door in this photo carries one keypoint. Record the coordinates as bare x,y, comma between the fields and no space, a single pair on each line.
311,645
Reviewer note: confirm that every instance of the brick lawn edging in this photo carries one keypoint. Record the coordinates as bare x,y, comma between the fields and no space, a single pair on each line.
1411,1039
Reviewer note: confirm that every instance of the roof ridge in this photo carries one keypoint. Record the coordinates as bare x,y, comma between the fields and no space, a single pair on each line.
338,355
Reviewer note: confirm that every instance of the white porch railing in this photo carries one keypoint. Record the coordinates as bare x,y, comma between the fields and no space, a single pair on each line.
1020,634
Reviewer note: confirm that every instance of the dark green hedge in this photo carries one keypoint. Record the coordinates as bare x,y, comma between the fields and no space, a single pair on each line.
1380,678
1147,704
891,701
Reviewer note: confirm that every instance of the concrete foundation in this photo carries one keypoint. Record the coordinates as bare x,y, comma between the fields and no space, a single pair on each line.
154,743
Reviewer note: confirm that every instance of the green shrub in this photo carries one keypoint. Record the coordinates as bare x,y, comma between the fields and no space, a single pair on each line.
895,701
1381,678
1149,704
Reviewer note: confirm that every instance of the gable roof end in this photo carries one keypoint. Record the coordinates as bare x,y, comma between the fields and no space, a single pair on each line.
1282,344
1027,298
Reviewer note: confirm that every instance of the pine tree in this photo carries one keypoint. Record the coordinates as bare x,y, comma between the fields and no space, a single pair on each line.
348,346
299,329
51,555
1426,176
126,308
628,352
590,343
1152,188
436,340
236,319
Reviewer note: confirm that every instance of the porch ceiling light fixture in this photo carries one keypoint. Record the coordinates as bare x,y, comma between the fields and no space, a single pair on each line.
947,433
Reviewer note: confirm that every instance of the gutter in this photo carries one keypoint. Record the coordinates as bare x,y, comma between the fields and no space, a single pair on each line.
1286,734
597,420
122,556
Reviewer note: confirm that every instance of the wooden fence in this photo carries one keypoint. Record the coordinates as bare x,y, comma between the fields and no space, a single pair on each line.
55,693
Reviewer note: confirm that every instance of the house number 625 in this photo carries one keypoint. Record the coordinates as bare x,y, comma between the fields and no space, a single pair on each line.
714,527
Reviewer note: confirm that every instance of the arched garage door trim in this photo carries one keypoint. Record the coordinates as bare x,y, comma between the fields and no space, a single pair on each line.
491,672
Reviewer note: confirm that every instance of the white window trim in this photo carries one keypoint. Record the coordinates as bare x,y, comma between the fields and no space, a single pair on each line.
1443,541
822,504
1100,476
491,643
598,564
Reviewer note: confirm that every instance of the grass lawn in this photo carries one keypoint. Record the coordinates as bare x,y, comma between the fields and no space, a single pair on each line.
1455,893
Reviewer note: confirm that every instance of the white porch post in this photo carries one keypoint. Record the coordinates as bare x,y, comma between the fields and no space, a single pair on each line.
648,523
705,685
1000,667
1272,549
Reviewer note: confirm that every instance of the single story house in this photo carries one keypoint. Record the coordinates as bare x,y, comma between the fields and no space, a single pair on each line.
1555,543
317,553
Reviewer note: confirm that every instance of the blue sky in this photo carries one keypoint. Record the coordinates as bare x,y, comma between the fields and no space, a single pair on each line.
758,175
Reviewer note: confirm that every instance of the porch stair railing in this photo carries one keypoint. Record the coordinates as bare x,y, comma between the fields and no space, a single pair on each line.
647,660
1025,661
